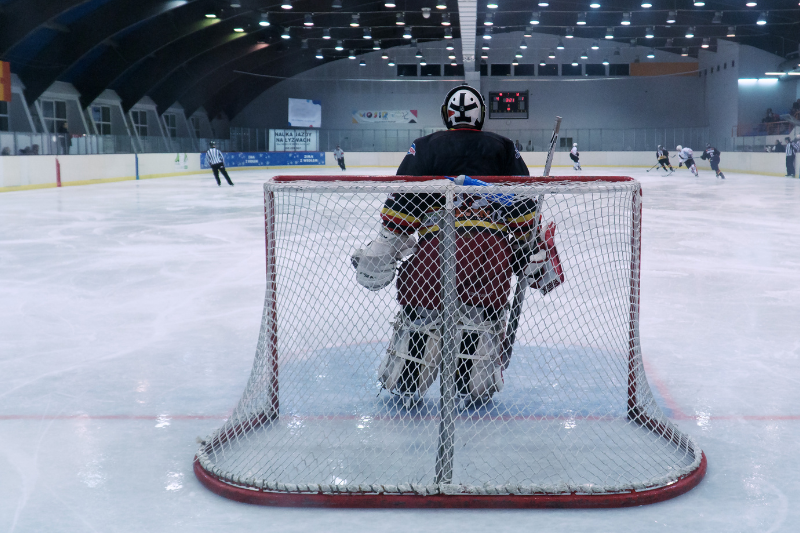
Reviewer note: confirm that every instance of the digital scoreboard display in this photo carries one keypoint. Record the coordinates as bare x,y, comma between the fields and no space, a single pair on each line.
513,104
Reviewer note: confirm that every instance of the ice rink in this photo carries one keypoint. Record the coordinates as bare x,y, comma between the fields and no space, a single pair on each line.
130,311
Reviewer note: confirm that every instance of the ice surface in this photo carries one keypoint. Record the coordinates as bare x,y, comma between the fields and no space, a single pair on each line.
129,315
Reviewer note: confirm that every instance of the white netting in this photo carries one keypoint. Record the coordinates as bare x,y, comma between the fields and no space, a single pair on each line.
573,412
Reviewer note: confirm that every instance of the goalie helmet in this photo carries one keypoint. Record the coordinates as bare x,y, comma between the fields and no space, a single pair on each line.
463,107
679,148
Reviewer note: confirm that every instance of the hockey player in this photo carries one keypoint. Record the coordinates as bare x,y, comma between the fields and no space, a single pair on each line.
575,156
495,238
712,154
662,155
686,156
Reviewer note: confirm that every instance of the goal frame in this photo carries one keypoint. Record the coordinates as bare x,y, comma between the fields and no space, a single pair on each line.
239,490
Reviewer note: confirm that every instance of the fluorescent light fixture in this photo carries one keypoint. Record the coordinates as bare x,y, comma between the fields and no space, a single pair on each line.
651,54
690,32
326,33
418,54
264,20
407,32
552,54
491,4
649,32
609,33
391,63
706,42
542,63
596,45
354,20
626,19
390,4
236,4
751,4
308,22
363,63
285,33
594,5
240,30
671,17
445,19
762,18
319,54
339,46
574,63
448,34
523,45
441,4
794,73
485,45
487,33
699,4
286,4
518,54
352,54
544,4
528,32
450,46
488,20
535,18
584,55
560,45
211,15
400,20
570,33
775,73
605,61
647,4
385,55
451,56
376,44
581,19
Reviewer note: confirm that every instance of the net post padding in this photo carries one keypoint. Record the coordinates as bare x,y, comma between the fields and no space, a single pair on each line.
258,410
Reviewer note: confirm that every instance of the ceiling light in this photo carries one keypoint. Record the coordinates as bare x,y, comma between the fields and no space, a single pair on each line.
651,54
285,33
690,32
594,5
445,19
488,20
544,4
574,63
339,46
762,18
484,55
422,62
706,42
286,4
337,4
751,4
717,18
491,4
560,45
699,4
448,33
418,54
535,18
584,55
451,56
326,33
264,20
542,63
670,42
362,64
685,51
450,46
581,19
236,4
391,63
441,4
518,54
304,44
426,12
487,33
649,33
407,32
523,45
453,63
376,44
211,15
633,42
400,19
515,62
367,33
390,4
352,54
240,30
552,54
595,45
605,61
626,19
385,55
731,31
354,20
570,32
647,4
319,54
485,45
609,33
308,20
528,32
671,17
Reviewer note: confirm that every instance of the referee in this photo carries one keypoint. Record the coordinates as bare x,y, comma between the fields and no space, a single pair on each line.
217,163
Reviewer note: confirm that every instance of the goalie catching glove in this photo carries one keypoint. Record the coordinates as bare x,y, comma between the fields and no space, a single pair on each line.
539,262
375,264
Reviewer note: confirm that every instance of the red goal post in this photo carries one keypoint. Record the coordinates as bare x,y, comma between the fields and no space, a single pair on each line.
620,448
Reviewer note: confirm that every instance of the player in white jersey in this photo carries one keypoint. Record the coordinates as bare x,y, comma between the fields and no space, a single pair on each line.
575,156
686,155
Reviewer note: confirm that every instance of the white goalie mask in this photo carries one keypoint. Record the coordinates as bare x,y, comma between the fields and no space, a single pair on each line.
679,148
463,107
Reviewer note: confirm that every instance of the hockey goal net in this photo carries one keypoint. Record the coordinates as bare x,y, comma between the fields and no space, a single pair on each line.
330,415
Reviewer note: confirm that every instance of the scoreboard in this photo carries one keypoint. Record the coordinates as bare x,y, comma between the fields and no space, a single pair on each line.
513,104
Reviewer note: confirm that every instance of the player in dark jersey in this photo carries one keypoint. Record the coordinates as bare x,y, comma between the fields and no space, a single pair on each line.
712,154
662,155
493,241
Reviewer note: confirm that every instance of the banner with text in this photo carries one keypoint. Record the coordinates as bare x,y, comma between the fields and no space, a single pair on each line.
293,140
385,117
267,159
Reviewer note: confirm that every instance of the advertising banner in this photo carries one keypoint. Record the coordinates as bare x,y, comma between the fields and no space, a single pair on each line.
267,159
385,117
293,140
305,113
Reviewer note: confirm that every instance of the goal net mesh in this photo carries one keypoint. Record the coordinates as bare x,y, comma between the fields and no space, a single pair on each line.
572,412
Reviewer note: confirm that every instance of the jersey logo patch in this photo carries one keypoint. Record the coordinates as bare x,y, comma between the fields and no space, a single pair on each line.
412,150
516,153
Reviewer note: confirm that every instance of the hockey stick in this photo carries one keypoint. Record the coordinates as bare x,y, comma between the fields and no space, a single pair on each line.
651,168
522,284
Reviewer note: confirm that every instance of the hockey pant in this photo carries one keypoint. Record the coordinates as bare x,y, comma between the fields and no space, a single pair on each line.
715,164
790,165
664,162
483,280
341,163
219,167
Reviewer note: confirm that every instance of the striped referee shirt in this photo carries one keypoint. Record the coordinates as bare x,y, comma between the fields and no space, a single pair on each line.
214,157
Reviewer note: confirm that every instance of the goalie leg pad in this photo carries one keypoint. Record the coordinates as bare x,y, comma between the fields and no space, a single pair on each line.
411,363
479,372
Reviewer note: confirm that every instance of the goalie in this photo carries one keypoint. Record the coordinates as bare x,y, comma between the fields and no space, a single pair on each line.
495,237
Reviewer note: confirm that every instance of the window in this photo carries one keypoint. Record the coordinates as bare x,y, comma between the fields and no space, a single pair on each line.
101,114
430,70
55,114
595,69
139,119
3,116
525,70
566,142
484,70
171,122
196,126
619,69
407,70
567,69
548,70
501,70
450,70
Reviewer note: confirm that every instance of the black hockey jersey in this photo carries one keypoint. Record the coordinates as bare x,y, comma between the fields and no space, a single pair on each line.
453,153
663,153
710,153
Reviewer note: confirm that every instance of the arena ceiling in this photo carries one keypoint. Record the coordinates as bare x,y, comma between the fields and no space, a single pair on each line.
195,51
